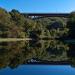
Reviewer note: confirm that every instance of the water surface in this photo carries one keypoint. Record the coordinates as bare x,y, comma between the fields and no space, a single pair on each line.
47,57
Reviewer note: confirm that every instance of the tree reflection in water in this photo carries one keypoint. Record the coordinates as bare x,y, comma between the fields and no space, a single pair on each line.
13,54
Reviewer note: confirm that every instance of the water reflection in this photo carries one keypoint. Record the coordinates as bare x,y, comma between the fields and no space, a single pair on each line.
39,70
14,54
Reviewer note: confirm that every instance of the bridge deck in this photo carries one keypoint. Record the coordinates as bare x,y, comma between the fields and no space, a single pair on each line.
48,14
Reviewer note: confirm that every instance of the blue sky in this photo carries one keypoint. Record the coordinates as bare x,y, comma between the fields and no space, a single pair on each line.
47,6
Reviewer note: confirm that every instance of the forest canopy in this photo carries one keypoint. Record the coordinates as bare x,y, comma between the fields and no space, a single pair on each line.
14,24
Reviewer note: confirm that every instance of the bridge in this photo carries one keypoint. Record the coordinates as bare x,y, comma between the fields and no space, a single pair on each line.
46,14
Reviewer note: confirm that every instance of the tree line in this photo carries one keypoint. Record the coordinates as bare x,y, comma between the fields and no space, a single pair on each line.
14,24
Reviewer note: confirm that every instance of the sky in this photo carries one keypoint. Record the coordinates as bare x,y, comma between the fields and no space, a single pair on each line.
39,6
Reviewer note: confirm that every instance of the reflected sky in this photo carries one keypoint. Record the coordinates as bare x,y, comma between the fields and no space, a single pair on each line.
14,56
39,70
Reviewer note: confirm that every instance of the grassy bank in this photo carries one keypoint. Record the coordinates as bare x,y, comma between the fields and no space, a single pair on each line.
13,39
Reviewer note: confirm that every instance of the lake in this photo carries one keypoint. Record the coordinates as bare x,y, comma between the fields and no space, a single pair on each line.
47,57
39,70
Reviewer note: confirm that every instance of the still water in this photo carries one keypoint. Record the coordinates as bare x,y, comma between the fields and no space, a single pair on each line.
51,57
39,70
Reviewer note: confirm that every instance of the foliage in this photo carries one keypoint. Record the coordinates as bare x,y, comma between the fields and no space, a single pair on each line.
16,25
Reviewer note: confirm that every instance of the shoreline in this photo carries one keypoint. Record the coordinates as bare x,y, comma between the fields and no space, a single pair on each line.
14,39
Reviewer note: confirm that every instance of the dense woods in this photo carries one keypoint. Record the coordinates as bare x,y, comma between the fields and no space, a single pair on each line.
14,24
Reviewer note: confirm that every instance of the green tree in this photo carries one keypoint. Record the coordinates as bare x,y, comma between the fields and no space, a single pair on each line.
71,25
